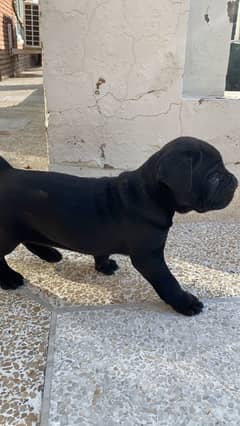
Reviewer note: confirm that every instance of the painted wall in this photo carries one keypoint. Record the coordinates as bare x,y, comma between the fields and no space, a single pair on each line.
113,75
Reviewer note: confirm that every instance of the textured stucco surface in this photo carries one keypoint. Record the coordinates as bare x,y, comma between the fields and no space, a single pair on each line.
115,91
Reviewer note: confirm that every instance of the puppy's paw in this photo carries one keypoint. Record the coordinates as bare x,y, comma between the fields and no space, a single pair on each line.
52,255
108,267
188,304
11,280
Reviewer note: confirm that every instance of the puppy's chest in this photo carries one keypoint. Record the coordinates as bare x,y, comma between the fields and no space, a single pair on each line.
144,234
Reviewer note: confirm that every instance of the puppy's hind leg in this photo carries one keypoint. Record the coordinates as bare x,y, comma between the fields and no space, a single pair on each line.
9,279
105,265
49,254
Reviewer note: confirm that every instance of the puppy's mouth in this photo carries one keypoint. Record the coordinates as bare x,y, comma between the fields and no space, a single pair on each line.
218,196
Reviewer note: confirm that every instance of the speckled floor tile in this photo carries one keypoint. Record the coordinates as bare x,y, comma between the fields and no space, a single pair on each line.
24,326
205,257
139,366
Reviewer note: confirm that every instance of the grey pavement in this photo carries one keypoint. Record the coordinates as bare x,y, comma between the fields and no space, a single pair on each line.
22,122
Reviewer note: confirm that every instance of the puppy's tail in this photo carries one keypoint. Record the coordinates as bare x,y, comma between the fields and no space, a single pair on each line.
4,164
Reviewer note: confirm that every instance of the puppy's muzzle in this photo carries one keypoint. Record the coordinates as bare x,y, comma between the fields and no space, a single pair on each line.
224,192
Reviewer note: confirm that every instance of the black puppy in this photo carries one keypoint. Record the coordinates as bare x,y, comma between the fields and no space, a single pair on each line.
129,214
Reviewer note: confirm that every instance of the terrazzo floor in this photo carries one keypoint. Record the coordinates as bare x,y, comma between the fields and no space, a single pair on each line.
117,354
24,328
139,366
205,257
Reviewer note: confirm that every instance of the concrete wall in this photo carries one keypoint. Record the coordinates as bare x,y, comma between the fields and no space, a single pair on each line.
113,74
207,49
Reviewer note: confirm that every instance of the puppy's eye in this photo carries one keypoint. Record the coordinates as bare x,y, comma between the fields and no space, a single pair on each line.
215,178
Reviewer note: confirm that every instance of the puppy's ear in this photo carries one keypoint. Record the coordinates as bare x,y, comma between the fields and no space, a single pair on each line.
176,172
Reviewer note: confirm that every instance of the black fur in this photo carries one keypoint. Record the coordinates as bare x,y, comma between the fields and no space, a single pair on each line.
129,214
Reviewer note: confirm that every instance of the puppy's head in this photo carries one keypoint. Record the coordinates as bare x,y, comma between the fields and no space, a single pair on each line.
194,172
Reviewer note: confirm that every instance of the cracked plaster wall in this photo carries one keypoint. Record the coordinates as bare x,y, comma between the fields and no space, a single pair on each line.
113,76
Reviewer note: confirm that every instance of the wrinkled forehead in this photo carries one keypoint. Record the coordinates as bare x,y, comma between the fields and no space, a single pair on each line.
195,144
210,154
198,149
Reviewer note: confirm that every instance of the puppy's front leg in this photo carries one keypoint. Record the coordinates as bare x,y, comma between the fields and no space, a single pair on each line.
154,269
